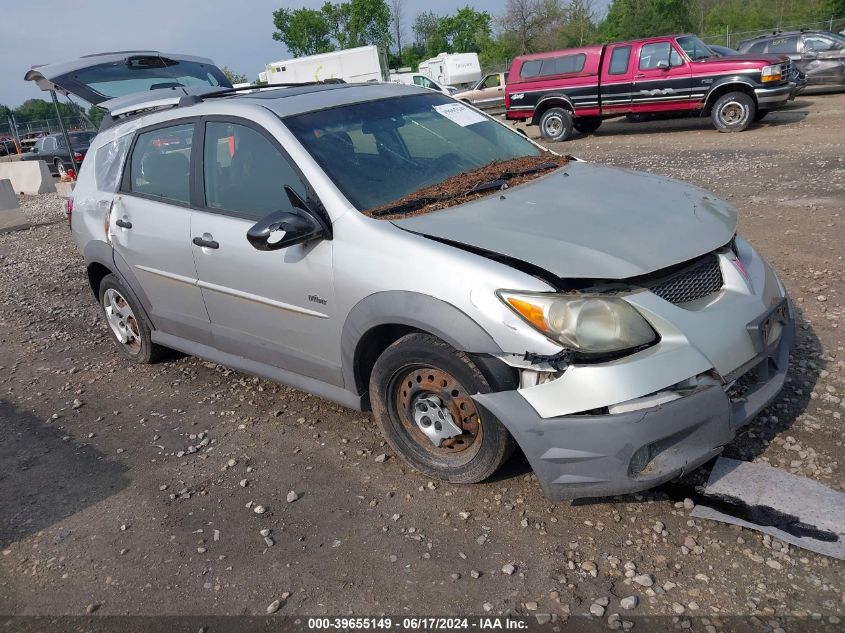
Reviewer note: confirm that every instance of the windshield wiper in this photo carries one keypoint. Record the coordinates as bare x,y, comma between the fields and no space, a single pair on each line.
410,205
502,181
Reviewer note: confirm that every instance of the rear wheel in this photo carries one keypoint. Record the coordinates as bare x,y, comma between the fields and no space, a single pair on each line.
420,391
733,112
128,326
587,125
556,124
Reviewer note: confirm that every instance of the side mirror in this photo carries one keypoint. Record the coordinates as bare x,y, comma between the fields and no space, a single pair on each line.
281,229
663,64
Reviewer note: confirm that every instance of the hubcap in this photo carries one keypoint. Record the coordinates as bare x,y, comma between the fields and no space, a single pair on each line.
733,112
122,320
554,124
436,411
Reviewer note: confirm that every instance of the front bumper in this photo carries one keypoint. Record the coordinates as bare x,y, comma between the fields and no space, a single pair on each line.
577,456
775,97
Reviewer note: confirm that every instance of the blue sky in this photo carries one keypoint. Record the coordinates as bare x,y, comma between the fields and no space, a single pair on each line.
234,33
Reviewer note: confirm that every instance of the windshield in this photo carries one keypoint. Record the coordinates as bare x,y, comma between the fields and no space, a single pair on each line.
142,73
378,152
695,48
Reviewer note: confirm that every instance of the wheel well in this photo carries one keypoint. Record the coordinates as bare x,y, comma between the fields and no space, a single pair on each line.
723,90
549,103
371,346
379,338
96,272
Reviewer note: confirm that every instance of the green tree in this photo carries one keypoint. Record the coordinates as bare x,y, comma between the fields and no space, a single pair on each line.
466,30
369,23
38,109
302,31
628,19
234,77
95,115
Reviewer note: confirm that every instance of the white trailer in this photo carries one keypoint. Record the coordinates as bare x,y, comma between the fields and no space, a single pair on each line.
452,69
351,65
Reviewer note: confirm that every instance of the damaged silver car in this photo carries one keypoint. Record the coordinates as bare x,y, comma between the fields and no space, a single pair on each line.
389,248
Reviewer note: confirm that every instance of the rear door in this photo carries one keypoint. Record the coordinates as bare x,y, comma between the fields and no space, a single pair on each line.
617,78
823,58
275,307
150,229
662,78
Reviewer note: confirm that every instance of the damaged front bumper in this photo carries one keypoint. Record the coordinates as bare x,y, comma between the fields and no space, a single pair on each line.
578,456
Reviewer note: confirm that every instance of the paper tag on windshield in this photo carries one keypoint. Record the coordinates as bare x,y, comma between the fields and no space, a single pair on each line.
459,113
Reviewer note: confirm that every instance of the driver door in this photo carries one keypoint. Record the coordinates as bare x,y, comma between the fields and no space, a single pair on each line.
489,93
662,78
274,307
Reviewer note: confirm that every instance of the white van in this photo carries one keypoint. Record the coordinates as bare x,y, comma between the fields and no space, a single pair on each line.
452,69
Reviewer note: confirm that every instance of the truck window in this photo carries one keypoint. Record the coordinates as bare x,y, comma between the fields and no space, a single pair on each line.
560,65
619,59
491,81
784,45
653,54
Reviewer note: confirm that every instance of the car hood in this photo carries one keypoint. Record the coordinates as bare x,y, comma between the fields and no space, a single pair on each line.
588,221
763,60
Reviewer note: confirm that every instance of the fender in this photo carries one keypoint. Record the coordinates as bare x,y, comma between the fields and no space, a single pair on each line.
559,97
724,81
423,312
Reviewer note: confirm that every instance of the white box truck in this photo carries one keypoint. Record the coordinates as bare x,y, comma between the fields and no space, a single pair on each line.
351,65
452,69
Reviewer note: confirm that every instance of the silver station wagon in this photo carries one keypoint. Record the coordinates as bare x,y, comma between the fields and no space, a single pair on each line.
391,249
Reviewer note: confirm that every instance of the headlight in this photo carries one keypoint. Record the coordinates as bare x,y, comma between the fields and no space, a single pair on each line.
771,73
586,324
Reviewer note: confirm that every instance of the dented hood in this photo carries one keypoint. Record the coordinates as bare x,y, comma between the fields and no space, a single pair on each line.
589,221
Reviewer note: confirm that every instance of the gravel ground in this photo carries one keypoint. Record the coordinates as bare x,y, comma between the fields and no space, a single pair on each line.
136,490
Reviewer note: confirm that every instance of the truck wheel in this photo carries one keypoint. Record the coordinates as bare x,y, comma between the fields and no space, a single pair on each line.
733,112
587,124
420,392
127,324
760,115
556,124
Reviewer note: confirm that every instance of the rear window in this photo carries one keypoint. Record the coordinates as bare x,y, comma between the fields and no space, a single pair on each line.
757,47
784,45
560,65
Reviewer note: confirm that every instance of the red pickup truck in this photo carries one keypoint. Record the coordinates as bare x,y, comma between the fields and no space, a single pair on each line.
577,88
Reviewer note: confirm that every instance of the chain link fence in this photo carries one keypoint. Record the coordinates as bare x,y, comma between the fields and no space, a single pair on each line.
732,39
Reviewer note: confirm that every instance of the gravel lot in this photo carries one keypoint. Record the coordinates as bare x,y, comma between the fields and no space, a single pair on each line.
133,490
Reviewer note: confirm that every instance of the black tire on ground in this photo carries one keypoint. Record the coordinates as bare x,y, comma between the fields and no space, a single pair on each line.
760,115
130,320
587,124
416,368
733,112
556,124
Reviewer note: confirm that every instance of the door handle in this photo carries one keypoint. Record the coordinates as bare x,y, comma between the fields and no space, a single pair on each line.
639,75
124,224
205,243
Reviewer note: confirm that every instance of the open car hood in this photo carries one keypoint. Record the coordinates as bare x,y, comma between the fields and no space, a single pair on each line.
588,221
107,76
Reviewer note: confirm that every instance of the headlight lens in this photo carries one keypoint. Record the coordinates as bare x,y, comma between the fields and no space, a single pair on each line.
771,73
586,324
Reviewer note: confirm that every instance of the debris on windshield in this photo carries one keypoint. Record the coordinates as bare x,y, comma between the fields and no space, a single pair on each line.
469,186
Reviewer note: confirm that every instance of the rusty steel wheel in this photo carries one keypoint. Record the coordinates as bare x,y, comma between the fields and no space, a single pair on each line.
127,323
421,394
437,411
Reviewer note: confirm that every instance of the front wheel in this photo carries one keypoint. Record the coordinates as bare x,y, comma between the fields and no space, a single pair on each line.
421,394
733,112
556,124
588,124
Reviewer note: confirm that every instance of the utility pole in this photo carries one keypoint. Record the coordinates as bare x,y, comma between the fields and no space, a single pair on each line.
64,133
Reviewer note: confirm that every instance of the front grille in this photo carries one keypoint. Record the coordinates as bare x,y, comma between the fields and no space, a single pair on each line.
703,278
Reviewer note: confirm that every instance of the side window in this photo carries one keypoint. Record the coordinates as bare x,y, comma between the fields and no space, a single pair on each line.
757,47
492,81
619,59
108,163
818,43
60,140
244,172
653,54
161,163
49,144
784,45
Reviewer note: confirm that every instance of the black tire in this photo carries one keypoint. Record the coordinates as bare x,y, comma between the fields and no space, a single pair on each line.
733,112
587,124
760,115
415,368
556,125
140,348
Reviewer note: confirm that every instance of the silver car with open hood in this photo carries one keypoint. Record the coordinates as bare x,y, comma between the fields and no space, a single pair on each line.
394,250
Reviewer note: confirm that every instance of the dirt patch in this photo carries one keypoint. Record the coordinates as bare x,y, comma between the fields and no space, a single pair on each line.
469,186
